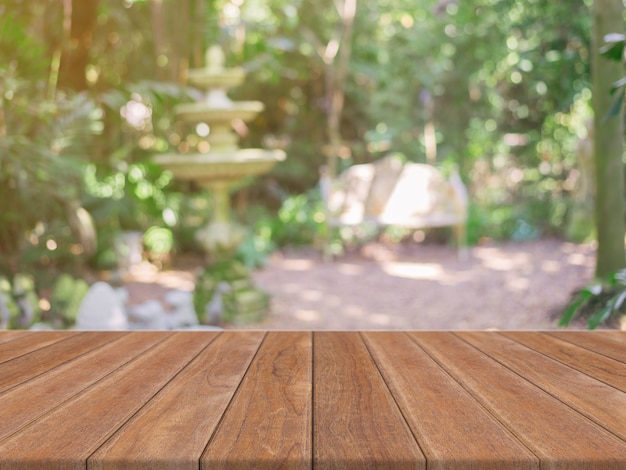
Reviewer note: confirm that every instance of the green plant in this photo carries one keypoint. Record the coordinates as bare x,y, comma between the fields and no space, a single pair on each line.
299,220
19,302
597,301
159,241
43,143
224,291
67,295
256,247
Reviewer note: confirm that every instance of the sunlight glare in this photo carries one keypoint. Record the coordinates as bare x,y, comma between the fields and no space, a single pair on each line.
414,270
298,264
307,315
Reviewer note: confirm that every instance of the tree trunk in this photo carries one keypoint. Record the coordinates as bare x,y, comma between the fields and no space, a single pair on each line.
608,142
75,56
336,67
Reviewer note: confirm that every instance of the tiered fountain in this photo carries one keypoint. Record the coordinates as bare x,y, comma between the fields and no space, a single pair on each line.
224,288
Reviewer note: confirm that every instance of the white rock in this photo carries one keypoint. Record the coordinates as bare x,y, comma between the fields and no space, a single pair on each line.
177,297
101,309
149,315
183,316
184,313
123,294
201,328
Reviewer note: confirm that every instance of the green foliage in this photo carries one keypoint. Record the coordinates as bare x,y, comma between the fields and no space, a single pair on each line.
598,301
67,295
299,220
20,302
124,190
256,247
229,280
158,240
24,51
502,84
41,154
489,76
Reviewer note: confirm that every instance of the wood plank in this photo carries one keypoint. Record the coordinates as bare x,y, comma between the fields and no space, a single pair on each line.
30,342
30,365
356,423
607,343
65,437
268,423
10,335
24,404
601,367
596,400
453,430
558,435
173,429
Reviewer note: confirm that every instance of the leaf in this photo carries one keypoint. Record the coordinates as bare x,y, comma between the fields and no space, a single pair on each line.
614,47
616,107
611,306
614,37
618,300
617,278
618,85
599,317
573,308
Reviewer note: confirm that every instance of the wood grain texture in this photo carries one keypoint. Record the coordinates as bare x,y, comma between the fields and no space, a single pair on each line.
31,364
268,423
30,342
65,437
608,343
10,335
595,365
598,401
31,400
356,423
453,430
558,435
173,429
250,399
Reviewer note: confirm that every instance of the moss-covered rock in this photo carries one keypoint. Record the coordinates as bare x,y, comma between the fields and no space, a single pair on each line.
224,291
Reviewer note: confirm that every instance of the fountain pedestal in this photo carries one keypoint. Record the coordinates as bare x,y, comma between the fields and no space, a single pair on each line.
224,290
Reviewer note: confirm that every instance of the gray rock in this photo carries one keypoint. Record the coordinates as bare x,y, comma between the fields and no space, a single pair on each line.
177,297
184,312
41,327
101,309
149,315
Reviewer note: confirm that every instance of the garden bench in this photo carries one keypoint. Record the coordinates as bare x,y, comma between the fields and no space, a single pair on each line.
389,192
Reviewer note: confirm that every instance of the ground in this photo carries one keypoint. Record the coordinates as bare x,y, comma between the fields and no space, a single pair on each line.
408,286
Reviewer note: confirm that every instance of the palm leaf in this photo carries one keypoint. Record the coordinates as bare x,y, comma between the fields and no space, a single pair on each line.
573,309
603,314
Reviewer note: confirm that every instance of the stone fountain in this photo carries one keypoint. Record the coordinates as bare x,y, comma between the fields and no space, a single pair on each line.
224,289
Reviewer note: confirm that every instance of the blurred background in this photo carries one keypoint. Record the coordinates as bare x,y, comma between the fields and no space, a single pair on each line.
497,89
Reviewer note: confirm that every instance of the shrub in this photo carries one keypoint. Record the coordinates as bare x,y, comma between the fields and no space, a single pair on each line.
597,301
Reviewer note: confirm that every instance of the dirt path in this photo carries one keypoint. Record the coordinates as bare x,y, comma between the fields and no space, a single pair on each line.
426,287
416,286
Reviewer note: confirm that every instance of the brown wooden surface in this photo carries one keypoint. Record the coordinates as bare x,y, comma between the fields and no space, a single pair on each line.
41,360
435,400
174,427
267,425
356,421
441,412
558,435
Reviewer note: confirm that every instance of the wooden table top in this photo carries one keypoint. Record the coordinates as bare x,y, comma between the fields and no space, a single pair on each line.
253,399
